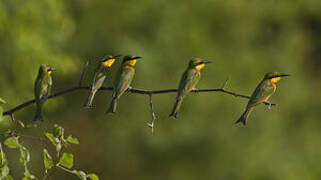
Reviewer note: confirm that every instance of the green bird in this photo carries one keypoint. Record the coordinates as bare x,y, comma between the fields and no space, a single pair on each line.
188,82
261,94
123,80
42,88
101,72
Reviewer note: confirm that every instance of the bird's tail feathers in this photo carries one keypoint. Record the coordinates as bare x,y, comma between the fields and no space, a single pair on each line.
113,106
244,116
38,115
176,107
89,102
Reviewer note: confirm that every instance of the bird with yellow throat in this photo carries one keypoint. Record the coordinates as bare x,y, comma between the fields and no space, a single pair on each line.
102,71
123,80
42,88
262,93
188,81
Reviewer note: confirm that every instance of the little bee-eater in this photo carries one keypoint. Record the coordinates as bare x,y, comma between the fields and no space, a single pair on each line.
102,71
42,88
262,93
123,80
188,81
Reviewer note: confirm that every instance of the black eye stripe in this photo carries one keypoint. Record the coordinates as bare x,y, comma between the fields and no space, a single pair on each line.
199,63
275,76
104,60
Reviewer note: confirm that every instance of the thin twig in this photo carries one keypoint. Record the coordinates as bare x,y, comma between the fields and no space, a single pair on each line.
65,169
15,134
12,117
151,125
2,155
225,83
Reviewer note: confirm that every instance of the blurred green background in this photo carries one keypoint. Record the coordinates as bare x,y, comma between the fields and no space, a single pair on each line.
245,38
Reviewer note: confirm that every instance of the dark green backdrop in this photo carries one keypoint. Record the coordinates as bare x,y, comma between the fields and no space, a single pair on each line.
245,38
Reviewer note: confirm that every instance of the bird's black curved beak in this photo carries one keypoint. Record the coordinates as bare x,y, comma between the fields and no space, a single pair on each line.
117,56
52,69
207,61
284,75
137,57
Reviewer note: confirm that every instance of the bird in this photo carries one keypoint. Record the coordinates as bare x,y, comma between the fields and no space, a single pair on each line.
262,93
100,74
123,80
188,81
42,88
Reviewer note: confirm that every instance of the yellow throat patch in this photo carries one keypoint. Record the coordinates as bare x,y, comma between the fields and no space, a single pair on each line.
275,80
199,67
109,63
132,62
49,73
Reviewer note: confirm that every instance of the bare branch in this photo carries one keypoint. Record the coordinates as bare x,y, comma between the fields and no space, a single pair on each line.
132,90
225,83
151,125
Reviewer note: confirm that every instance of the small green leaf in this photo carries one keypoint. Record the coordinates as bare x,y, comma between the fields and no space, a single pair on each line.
3,159
93,177
4,171
72,140
82,175
58,131
47,160
52,139
24,155
28,176
12,142
2,101
67,160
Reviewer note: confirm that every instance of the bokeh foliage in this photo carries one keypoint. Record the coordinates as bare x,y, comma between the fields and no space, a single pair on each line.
245,38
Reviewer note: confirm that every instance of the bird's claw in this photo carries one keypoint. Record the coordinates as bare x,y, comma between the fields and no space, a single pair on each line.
195,90
270,104
89,106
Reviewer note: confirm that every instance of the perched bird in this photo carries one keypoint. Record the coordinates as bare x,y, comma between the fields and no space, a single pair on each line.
123,80
42,88
261,94
102,71
188,81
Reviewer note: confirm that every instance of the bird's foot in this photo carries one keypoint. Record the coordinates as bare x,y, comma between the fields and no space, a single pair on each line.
89,106
129,88
195,90
270,104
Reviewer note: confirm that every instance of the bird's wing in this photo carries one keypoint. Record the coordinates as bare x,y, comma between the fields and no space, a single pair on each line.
188,81
261,93
42,89
123,80
98,78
